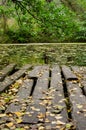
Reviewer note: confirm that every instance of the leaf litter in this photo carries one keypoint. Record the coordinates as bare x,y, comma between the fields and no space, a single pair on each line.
16,117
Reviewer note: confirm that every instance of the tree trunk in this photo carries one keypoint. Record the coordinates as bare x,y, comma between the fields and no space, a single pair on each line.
4,18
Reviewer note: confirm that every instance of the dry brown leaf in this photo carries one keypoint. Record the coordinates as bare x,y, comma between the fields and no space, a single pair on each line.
35,109
26,127
47,113
54,122
60,122
41,128
84,110
58,117
41,115
52,114
47,120
19,81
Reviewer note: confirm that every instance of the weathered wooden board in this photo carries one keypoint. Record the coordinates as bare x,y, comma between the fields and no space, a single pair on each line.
78,101
68,74
36,72
20,73
81,73
11,79
37,110
19,103
22,97
56,109
6,71
40,100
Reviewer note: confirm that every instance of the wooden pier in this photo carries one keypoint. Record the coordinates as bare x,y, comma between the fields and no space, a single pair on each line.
44,97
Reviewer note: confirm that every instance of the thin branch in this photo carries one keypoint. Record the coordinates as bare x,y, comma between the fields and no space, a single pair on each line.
22,7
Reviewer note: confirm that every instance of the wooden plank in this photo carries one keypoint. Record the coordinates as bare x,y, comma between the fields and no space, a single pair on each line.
37,110
19,103
56,110
78,101
36,72
6,71
21,72
11,79
22,97
81,73
68,74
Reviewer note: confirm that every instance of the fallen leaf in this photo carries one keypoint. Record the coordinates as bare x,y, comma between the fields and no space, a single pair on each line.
47,120
35,109
60,122
41,128
59,107
19,114
68,125
79,106
2,115
19,120
56,111
54,122
58,117
9,124
41,115
19,129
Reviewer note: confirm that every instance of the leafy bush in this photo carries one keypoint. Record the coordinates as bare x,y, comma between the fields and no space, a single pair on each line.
50,24
80,35
20,36
43,22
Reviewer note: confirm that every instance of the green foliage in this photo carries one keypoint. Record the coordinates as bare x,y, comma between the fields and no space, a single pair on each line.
40,21
46,20
69,54
8,10
80,35
20,36
58,23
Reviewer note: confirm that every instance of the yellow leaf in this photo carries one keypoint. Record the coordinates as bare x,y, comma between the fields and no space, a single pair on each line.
80,106
2,115
69,110
19,113
41,128
41,115
68,125
19,120
9,124
47,120
1,73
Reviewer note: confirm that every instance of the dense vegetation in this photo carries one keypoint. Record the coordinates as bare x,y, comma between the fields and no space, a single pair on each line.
24,21
69,54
